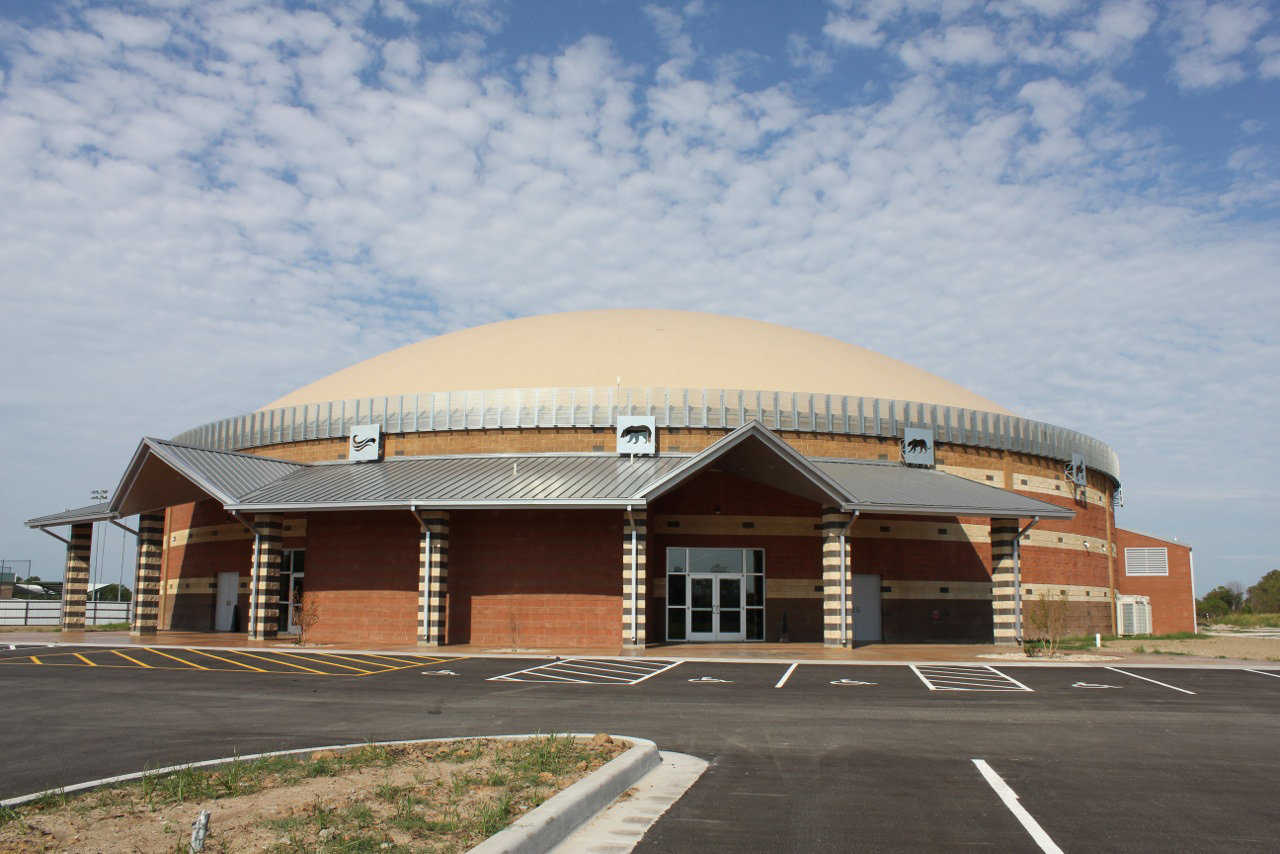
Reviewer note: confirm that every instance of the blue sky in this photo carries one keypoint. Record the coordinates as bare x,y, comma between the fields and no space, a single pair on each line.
1069,207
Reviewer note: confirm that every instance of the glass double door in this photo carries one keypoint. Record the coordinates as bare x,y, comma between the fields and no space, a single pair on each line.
716,604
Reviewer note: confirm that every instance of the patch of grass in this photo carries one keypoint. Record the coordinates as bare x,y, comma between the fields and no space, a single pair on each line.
494,815
7,815
108,627
1249,621
1140,649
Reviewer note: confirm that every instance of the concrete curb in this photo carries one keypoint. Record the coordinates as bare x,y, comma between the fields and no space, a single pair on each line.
542,829
644,745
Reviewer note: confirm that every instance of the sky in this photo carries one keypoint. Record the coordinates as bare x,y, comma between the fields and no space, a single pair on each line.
1068,207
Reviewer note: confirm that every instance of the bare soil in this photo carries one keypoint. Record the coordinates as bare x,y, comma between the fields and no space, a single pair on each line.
438,796
1208,646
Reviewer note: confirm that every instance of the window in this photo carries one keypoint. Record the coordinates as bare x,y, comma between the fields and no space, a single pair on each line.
1146,561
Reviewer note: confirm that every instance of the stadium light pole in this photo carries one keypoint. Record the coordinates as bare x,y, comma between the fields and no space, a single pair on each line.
94,495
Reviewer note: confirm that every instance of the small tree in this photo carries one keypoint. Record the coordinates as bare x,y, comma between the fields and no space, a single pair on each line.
1046,618
1264,597
305,617
1223,599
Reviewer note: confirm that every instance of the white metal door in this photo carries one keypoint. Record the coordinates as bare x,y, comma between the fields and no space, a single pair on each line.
228,591
866,608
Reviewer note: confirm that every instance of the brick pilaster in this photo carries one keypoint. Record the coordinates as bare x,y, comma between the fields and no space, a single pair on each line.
146,576
433,577
1003,604
75,576
264,577
638,522
833,525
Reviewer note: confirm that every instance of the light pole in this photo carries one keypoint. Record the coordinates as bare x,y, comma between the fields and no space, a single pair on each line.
95,495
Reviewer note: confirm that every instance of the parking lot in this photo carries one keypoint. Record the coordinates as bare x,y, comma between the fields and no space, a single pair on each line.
813,757
316,663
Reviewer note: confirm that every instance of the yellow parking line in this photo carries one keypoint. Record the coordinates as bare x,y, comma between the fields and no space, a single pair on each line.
134,660
85,660
404,661
324,660
285,663
328,655
175,658
36,660
229,661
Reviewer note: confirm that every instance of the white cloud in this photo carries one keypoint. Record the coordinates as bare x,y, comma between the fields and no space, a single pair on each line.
956,45
1210,41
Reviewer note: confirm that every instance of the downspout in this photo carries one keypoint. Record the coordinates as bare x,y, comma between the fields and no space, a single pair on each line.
1017,577
635,578
844,584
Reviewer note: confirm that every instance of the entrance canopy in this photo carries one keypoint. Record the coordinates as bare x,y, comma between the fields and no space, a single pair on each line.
162,474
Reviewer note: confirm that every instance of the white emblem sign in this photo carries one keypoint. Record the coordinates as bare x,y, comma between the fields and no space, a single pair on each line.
366,443
917,446
637,434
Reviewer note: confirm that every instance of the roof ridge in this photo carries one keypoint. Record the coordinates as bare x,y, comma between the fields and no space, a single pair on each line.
173,444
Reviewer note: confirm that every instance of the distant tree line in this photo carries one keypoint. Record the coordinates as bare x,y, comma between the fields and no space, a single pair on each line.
1261,598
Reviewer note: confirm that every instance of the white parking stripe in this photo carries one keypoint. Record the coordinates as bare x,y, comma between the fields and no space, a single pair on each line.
589,671
971,677
1010,799
787,675
1153,681
1264,672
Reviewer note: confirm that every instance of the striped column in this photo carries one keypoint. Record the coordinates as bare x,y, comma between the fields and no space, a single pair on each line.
833,525
264,576
75,576
637,523
146,576
1003,618
433,577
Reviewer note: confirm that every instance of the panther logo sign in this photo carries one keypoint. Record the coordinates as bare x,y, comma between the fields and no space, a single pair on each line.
918,446
637,434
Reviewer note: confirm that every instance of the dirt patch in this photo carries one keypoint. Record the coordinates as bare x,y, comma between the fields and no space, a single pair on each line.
437,796
1209,646
1060,658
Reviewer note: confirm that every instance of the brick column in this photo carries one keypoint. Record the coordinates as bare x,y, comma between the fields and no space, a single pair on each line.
638,522
146,576
833,525
433,577
1003,605
264,576
75,576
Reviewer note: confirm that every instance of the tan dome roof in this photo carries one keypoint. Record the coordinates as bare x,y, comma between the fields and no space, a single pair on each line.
646,348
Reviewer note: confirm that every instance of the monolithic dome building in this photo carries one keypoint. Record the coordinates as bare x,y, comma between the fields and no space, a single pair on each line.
623,478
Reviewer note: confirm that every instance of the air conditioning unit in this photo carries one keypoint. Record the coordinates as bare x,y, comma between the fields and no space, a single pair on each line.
1133,615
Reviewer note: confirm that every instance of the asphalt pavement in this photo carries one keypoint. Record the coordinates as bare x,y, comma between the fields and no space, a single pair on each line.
831,757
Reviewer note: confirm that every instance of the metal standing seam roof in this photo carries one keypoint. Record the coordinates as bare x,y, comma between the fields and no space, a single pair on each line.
886,487
569,480
100,512
225,475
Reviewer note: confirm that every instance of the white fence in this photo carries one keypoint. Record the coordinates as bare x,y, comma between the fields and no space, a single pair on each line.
48,612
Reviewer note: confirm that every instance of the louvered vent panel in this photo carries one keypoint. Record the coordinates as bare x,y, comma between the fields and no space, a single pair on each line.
1146,561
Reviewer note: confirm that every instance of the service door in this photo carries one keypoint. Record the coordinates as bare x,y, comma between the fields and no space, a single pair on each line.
228,591
866,608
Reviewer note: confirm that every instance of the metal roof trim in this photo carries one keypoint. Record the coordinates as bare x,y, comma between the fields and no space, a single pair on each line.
100,512
444,504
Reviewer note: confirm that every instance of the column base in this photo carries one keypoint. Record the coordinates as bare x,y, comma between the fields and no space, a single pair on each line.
136,633
423,643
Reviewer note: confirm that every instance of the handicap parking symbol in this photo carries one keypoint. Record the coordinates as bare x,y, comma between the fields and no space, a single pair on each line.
1092,685
850,682
438,673
712,679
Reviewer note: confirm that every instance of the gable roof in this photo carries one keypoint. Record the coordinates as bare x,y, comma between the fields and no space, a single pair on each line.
163,473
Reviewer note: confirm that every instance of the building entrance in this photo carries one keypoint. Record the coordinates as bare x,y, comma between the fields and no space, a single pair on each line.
715,594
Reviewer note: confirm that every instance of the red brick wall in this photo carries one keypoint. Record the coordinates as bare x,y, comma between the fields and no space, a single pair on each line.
1172,602
362,575
535,577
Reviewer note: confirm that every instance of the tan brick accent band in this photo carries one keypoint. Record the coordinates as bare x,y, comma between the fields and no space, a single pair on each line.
75,576
833,525
433,577
637,521
264,583
146,576
1003,604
